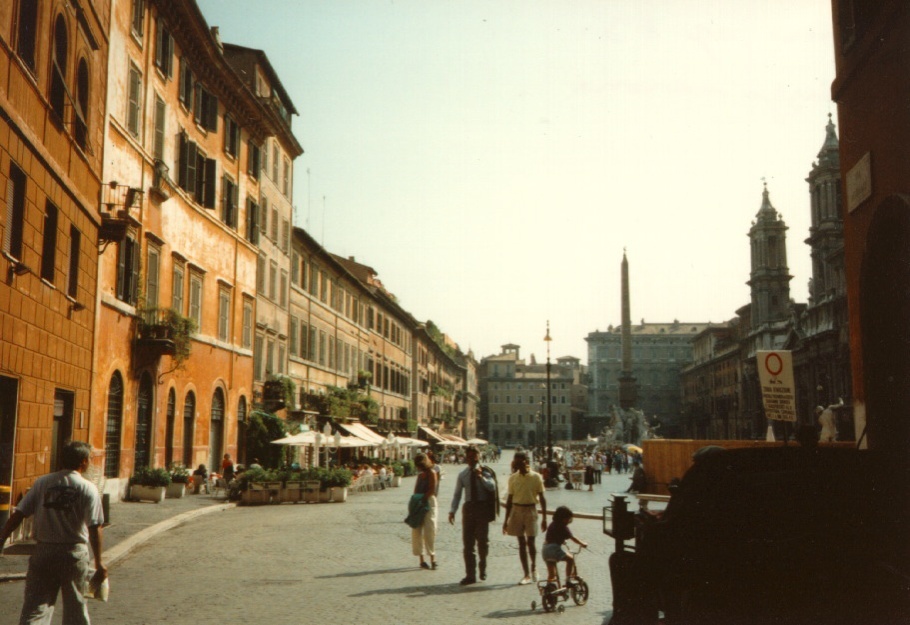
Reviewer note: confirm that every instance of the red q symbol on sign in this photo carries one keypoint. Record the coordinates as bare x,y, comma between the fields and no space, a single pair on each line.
773,363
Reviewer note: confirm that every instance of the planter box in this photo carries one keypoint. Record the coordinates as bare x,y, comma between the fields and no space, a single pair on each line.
175,490
292,492
274,489
148,493
396,480
324,495
256,495
338,494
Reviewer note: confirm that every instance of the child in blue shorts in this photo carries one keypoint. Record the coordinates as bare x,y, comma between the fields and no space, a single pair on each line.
558,533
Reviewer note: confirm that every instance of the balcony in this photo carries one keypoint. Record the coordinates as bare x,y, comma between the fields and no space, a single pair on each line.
117,202
164,331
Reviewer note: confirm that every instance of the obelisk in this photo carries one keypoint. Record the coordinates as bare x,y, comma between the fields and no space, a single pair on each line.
628,388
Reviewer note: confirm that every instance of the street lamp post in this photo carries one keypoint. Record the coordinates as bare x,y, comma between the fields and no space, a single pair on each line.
549,401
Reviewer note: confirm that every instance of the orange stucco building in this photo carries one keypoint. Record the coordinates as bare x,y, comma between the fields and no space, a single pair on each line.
184,140
53,67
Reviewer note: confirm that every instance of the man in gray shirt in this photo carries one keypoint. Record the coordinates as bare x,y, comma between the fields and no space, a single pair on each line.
480,508
67,518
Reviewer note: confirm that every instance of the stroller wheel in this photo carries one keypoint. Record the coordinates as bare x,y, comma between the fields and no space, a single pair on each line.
560,609
533,606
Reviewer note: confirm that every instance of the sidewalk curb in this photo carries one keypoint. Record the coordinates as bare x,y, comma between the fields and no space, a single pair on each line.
123,548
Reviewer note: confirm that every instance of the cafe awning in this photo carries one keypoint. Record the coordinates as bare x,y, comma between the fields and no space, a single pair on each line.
362,432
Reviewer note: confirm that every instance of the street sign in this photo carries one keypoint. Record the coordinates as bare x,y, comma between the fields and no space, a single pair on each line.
775,373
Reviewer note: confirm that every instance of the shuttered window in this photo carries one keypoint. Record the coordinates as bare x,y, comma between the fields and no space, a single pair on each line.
134,102
49,245
196,299
72,278
15,212
160,116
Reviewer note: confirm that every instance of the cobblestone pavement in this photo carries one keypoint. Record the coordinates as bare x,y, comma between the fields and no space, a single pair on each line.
335,563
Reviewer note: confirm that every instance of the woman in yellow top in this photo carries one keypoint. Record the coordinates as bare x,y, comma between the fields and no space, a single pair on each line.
525,489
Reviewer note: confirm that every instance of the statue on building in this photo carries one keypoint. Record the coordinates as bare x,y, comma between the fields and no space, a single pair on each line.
828,422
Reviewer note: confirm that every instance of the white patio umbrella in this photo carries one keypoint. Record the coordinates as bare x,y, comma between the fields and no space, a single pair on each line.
300,439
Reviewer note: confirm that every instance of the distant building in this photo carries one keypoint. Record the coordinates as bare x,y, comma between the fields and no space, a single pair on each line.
514,398
660,351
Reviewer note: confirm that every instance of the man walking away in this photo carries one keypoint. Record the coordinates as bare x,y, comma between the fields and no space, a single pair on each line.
67,518
525,488
481,501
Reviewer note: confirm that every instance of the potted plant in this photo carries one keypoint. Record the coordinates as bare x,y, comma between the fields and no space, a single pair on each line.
337,481
252,485
397,473
148,484
180,477
291,485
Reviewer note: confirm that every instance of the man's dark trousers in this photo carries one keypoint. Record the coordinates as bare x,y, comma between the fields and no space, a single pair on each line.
475,528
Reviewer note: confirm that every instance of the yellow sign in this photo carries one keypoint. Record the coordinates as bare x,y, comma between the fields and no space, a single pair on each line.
775,373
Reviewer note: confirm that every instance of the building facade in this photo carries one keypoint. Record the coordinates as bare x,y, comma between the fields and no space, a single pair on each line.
514,408
270,214
178,291
871,94
54,70
660,351
721,392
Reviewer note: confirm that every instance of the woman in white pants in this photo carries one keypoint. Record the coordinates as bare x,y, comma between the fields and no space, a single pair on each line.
423,538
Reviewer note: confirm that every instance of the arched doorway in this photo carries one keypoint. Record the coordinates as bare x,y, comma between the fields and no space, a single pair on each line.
241,430
885,310
169,428
216,436
144,422
114,426
189,429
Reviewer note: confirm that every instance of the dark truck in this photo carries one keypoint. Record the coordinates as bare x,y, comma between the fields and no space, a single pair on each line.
769,536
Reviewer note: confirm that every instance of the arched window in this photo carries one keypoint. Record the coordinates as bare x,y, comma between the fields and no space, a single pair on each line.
216,436
114,426
169,428
80,111
189,422
59,58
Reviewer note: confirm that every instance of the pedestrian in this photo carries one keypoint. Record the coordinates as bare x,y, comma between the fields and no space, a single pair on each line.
598,467
227,468
423,537
478,483
67,519
557,534
525,489
589,472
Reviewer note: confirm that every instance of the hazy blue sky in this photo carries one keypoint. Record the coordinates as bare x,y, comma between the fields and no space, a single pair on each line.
492,159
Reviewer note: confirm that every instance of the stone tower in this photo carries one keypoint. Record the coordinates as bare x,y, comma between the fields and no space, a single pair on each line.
770,277
826,234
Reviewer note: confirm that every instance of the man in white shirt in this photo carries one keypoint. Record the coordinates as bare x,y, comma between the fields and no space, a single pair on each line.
67,518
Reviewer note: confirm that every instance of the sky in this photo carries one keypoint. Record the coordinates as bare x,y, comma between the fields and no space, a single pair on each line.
492,160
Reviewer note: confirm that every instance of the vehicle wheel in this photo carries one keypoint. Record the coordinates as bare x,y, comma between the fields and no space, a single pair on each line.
549,598
580,592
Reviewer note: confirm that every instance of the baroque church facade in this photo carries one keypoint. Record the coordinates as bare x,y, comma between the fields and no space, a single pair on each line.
721,392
